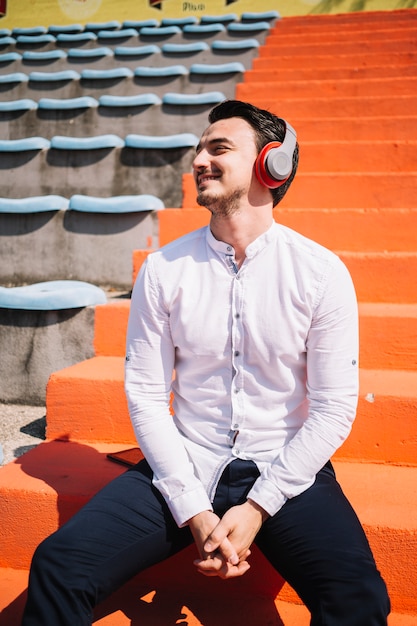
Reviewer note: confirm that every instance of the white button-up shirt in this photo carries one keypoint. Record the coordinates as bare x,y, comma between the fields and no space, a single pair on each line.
261,361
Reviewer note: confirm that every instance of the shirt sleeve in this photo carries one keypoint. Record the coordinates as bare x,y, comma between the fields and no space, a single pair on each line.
149,367
332,392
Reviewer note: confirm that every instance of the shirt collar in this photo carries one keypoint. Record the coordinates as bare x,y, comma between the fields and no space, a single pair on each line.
253,248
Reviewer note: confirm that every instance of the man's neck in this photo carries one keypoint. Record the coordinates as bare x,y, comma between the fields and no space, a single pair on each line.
241,229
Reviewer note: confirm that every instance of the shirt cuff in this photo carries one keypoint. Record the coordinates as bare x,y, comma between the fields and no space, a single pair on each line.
183,507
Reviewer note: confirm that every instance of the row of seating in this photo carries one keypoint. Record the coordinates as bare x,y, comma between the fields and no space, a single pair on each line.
129,52
123,72
82,203
152,32
112,25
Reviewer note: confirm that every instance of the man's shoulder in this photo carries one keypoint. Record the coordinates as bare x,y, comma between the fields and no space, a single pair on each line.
302,244
181,246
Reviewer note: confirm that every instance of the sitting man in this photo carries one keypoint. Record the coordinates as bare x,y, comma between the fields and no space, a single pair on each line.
259,325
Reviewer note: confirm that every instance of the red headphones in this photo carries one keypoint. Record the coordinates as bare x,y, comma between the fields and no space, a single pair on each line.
273,166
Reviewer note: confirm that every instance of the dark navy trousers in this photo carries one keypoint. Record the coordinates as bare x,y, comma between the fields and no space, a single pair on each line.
315,542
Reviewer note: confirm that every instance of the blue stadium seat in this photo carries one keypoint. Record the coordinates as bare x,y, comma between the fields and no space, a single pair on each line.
45,77
218,19
33,204
24,145
204,29
24,104
156,72
64,104
14,77
9,57
109,74
115,204
90,53
262,15
178,21
241,44
100,142
56,29
145,99
43,55
181,99
160,31
124,33
71,38
52,295
30,31
96,26
185,48
35,39
147,142
245,27
138,24
223,68
137,51
7,41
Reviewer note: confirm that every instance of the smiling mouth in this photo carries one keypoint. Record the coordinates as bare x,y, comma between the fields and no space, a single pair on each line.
204,178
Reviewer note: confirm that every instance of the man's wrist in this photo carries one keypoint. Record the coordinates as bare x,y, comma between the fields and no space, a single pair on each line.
259,509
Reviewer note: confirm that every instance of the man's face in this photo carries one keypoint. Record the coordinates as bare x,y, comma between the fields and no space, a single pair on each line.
223,166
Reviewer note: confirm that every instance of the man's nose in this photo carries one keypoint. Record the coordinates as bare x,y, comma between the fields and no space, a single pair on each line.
200,160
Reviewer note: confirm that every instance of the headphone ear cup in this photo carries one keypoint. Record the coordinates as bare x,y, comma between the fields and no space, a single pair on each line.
265,170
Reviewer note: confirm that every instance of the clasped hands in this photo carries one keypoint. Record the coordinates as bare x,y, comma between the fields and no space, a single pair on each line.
224,543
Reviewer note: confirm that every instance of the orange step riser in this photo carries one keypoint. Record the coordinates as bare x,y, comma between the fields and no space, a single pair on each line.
340,19
337,191
383,278
328,88
349,230
375,33
353,128
358,156
337,107
76,412
23,518
280,73
345,47
266,61
387,341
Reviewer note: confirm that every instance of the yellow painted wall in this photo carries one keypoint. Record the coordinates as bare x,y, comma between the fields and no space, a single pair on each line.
26,13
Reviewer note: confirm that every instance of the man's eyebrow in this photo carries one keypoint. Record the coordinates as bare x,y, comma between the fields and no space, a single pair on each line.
215,141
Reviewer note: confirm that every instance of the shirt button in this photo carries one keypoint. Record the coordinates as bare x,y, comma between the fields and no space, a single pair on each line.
235,426
237,315
237,353
229,248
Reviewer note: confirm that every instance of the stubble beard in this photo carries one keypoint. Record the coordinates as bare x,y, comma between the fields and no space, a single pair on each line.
221,206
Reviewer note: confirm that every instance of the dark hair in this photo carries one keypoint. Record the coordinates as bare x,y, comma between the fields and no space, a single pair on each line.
267,126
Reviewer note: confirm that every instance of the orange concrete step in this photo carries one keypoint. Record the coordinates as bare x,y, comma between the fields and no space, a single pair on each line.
397,128
371,32
270,72
326,88
345,47
383,276
86,402
335,107
388,334
337,190
356,18
355,60
160,607
385,429
48,484
358,156
357,230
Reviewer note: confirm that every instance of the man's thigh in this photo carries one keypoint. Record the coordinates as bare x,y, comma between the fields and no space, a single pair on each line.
317,544
124,529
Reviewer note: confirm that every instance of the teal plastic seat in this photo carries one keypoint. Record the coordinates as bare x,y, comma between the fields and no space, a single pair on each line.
24,145
261,15
14,77
115,204
33,204
52,295
218,19
168,142
7,41
223,68
183,99
90,53
66,104
157,72
244,27
30,30
109,74
35,39
178,21
204,29
43,55
143,99
137,51
24,104
76,37
100,142
56,29
138,24
240,44
46,77
110,25
185,48
160,31
9,57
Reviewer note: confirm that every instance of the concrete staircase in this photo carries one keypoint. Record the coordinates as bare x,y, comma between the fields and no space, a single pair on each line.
348,85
